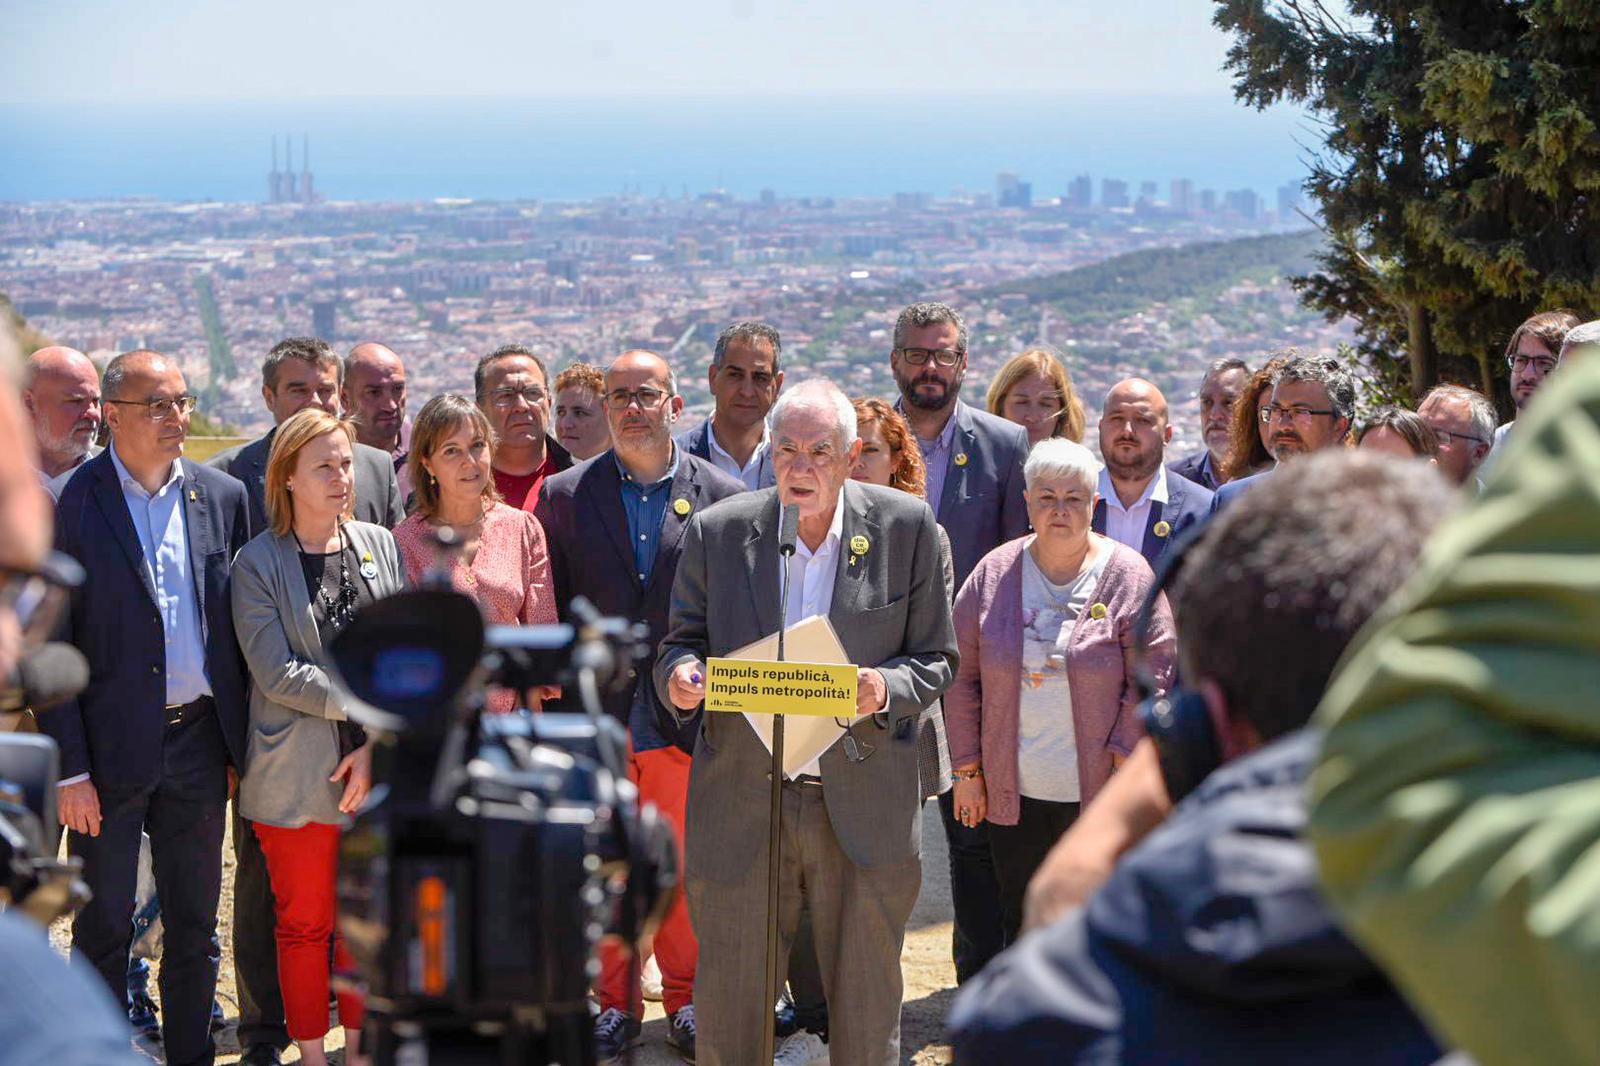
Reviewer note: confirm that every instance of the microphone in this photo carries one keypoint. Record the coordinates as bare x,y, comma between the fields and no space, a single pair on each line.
789,530
49,675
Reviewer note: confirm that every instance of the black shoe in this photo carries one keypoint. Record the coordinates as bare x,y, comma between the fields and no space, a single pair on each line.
142,1015
681,1035
260,1055
614,1032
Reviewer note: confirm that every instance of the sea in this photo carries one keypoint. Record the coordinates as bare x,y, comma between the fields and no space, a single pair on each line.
572,149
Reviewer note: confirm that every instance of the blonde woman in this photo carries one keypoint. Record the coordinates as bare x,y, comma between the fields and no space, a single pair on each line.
1035,391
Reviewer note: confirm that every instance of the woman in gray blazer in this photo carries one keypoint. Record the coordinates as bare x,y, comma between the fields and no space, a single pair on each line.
307,768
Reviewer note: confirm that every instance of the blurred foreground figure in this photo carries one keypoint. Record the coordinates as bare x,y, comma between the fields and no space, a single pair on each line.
1210,942
1457,803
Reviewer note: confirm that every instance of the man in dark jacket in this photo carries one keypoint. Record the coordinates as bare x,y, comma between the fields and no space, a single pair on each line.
1210,942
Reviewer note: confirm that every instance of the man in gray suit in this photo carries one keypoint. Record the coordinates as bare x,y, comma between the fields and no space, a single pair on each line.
868,558
975,488
299,372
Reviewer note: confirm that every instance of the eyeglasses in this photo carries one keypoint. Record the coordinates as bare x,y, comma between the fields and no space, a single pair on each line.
1446,436
533,395
919,356
37,597
161,410
1542,363
1300,415
647,398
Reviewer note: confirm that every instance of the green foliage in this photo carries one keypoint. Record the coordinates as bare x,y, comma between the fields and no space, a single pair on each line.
1459,156
1125,284
221,352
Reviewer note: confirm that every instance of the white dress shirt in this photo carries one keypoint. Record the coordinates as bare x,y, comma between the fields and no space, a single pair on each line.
1126,525
811,577
751,473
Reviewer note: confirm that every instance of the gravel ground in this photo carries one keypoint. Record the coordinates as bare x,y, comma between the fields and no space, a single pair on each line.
929,974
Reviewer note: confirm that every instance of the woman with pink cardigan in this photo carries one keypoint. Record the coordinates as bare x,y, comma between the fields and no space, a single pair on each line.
1045,703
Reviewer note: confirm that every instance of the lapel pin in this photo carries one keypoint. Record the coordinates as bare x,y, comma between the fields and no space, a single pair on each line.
961,458
859,545
1162,528
1097,611
681,507
369,569
192,496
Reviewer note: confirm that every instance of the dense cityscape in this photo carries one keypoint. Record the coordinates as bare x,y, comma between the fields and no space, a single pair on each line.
444,281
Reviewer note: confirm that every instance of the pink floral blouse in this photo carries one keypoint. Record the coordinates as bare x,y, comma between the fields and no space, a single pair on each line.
509,575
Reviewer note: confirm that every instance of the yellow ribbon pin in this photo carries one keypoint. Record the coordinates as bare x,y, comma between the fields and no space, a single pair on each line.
1162,529
961,458
681,506
1097,611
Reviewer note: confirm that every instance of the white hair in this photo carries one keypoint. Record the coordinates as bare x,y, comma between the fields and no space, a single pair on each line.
1057,457
1579,337
818,394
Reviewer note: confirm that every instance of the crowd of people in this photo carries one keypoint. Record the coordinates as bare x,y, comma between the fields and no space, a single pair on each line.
1009,599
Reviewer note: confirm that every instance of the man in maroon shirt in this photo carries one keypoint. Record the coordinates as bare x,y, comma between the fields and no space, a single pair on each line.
513,390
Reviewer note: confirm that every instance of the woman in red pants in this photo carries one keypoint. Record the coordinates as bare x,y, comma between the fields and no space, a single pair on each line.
307,768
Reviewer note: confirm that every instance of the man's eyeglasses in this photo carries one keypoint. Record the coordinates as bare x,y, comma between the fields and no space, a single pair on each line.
1299,415
506,398
1542,363
161,410
1446,436
647,398
37,597
945,357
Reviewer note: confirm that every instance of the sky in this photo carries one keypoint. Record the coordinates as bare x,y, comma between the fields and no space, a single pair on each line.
110,51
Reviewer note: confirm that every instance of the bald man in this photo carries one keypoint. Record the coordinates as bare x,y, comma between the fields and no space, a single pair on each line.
1141,503
61,393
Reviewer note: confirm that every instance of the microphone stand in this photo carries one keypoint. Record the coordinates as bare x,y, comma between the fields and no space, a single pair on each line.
774,820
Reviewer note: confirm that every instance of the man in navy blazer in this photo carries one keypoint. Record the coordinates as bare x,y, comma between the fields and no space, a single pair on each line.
974,462
614,526
745,381
1142,503
155,741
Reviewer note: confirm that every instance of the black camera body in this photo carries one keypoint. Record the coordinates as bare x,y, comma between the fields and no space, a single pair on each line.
32,881
496,851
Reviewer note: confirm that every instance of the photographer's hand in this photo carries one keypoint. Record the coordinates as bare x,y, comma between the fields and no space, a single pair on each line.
78,805
687,685
356,769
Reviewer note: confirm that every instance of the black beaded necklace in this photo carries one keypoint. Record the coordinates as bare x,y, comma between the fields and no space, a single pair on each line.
341,610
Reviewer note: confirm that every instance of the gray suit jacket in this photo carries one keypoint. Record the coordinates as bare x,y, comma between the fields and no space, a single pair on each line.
982,506
890,612
293,743
378,498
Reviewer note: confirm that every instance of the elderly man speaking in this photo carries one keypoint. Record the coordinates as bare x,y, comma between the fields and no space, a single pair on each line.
868,558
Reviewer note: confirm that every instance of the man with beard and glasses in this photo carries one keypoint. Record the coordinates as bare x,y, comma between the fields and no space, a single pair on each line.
1224,381
61,391
1533,352
1312,407
1140,502
974,462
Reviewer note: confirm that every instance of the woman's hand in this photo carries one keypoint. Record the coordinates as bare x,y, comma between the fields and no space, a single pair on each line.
971,801
356,771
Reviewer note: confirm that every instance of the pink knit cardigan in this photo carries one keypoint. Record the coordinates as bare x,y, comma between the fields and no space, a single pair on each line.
982,707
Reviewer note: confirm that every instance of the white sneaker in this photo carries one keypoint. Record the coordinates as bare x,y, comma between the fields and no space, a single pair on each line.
801,1048
650,980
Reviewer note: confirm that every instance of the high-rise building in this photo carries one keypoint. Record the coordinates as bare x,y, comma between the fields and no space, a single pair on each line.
1080,194
1289,202
322,318
1243,202
1182,196
1113,193
1147,191
1208,201
1011,191
911,201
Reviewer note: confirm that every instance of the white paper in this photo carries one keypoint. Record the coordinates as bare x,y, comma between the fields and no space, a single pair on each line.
810,640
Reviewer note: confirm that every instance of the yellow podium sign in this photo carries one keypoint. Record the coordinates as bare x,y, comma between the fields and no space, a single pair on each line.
822,690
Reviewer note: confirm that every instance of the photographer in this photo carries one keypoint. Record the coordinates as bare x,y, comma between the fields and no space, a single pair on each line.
1215,924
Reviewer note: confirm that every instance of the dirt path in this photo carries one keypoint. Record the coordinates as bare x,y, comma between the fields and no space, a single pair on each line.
929,974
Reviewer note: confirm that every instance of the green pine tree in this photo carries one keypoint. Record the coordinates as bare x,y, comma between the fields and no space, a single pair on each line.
1458,160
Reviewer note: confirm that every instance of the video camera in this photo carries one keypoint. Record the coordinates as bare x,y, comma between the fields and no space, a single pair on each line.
496,851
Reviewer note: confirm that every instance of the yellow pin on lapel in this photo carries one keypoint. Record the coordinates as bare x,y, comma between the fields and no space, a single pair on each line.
682,507
1162,529
192,496
1097,610
859,545
961,458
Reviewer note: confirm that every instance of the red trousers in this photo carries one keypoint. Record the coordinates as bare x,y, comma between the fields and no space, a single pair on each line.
662,775
302,864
